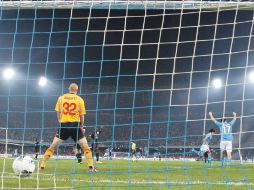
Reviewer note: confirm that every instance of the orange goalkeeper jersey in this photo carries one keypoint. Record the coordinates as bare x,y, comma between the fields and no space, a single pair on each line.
70,107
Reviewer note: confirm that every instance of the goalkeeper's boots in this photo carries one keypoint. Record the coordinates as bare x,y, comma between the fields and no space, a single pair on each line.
43,165
91,169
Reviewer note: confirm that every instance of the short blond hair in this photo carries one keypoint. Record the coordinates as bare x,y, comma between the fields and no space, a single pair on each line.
73,87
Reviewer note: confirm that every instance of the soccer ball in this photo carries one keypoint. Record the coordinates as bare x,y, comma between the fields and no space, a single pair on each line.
23,166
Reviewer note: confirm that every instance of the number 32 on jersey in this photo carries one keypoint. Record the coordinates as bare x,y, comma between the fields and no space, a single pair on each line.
69,108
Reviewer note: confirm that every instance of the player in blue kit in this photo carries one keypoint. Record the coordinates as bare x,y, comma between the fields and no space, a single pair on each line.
205,150
209,136
226,136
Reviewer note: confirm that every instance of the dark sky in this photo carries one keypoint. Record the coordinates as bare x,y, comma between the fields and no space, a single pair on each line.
179,62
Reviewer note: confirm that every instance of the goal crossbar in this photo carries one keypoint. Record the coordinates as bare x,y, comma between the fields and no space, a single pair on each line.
122,4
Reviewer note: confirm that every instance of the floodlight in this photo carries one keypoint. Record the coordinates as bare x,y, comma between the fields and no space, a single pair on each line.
8,73
42,81
251,76
217,83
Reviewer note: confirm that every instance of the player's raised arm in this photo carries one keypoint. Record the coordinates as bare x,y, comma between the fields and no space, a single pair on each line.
212,118
234,119
234,116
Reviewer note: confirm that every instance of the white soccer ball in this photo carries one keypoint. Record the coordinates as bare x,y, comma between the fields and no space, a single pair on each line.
23,166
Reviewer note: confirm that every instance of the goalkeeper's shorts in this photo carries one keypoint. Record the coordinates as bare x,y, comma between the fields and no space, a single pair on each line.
69,129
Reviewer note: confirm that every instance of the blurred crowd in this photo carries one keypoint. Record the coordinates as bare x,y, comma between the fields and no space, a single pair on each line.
150,128
171,137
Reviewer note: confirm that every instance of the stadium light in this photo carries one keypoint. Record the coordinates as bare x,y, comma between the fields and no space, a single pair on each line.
8,73
217,83
42,81
251,76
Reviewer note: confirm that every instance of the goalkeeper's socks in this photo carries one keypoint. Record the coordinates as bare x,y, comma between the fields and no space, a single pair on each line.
49,153
89,157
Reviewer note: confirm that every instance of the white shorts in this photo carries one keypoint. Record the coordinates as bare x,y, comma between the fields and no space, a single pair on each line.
204,148
226,145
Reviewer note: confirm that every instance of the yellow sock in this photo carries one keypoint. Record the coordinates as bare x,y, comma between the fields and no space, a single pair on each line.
88,156
49,152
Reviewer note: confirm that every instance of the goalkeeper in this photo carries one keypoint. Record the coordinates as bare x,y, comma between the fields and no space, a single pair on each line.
70,110
205,150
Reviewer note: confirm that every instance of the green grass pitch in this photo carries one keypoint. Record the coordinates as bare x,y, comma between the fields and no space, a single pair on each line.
123,174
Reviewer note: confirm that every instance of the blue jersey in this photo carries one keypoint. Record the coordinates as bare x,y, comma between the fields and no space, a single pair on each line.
226,130
207,138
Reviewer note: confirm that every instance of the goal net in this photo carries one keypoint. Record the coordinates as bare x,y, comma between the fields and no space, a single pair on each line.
149,71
